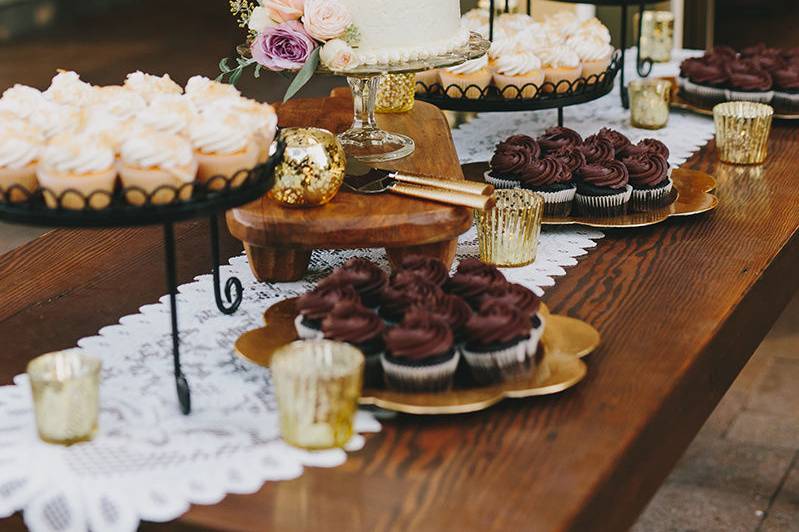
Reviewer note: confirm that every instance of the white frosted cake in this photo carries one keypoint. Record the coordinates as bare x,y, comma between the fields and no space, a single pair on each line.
393,31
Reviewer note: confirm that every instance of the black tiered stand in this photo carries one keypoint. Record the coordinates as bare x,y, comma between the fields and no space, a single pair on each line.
207,200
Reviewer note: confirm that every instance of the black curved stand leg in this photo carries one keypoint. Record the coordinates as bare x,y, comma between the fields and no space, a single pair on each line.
560,116
234,291
643,66
625,99
181,384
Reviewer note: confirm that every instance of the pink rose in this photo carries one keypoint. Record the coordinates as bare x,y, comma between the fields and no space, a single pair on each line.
283,47
326,19
338,56
284,10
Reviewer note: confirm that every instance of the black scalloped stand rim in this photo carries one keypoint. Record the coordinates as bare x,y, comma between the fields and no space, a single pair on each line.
579,91
204,202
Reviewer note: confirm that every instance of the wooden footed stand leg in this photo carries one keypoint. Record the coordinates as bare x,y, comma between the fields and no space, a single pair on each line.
444,251
271,264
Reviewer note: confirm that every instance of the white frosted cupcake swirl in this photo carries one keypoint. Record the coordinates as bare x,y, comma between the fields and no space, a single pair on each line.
219,135
21,100
20,145
589,48
170,113
564,23
594,28
105,127
157,149
470,67
77,154
518,64
474,19
559,57
202,90
53,119
260,117
67,88
539,39
501,46
149,86
118,101
515,22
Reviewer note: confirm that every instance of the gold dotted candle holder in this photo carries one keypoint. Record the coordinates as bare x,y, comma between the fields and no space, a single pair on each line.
742,131
657,35
508,233
66,396
318,384
649,103
396,93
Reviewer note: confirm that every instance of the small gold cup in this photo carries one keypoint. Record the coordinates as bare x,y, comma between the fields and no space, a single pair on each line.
318,384
396,93
66,396
657,35
649,103
742,131
508,233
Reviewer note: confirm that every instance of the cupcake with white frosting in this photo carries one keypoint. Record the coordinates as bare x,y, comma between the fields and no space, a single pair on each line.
120,102
518,75
467,80
21,100
158,163
53,119
20,147
66,88
593,28
562,66
202,91
595,55
223,145
168,113
76,169
564,23
149,86
105,127
259,117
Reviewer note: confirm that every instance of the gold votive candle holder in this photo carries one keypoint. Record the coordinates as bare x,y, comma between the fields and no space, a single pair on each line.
742,131
649,103
508,233
318,384
657,35
66,396
396,93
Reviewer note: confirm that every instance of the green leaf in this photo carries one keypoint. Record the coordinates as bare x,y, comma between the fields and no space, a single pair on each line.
304,75
223,65
257,72
234,77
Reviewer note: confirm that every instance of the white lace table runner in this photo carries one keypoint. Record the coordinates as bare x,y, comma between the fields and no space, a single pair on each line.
149,462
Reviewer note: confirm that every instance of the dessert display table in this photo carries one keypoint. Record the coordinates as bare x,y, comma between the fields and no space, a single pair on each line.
279,241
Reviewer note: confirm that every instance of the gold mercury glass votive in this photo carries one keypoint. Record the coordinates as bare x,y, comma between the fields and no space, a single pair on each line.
318,384
649,103
66,396
657,36
742,131
508,233
396,93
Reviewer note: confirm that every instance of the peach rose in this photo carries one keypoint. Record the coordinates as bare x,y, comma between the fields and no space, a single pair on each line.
284,10
338,56
326,19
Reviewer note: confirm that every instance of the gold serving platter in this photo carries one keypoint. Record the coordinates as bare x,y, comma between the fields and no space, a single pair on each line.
565,341
692,188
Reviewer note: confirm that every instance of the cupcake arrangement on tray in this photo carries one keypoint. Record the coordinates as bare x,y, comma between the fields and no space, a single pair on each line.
756,74
424,332
562,61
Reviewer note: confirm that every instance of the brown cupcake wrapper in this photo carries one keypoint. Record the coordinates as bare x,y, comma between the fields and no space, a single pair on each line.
603,206
432,378
305,332
785,102
750,96
643,200
500,365
500,183
558,203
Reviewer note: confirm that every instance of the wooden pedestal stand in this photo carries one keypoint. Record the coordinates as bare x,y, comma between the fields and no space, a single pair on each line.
279,240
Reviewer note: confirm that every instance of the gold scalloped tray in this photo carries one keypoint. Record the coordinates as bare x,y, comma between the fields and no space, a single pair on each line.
565,341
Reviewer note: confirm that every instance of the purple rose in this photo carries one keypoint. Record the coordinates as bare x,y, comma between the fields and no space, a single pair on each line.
283,47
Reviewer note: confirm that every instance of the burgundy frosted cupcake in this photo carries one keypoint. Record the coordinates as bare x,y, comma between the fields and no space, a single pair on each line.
420,354
649,177
556,138
527,142
749,83
616,139
596,149
572,157
506,165
427,268
497,344
405,290
646,146
314,306
357,325
706,82
521,298
603,189
472,280
786,89
550,178
452,309
365,276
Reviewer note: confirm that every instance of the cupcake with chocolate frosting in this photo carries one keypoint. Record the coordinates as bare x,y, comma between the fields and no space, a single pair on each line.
365,276
452,309
507,164
596,149
355,324
550,178
786,89
472,280
405,290
420,354
646,146
603,189
616,138
749,83
314,306
525,141
572,157
497,344
649,177
706,81
556,138
427,268
521,298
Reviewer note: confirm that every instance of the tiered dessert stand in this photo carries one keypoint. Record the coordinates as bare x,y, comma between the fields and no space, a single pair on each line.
206,200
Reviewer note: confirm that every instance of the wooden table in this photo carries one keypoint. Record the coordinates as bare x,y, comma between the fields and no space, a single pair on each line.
681,307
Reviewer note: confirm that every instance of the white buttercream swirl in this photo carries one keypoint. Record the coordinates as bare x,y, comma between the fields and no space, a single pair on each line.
515,22
120,102
564,23
105,127
202,90
158,149
470,67
21,100
260,117
171,113
589,48
474,19
77,154
53,119
501,46
149,86
67,88
539,38
518,63
20,145
594,28
559,56
219,134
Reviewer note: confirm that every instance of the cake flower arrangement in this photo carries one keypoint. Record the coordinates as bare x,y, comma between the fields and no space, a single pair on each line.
293,36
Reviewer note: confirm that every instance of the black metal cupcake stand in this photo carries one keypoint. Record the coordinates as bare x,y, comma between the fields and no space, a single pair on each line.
204,200
548,95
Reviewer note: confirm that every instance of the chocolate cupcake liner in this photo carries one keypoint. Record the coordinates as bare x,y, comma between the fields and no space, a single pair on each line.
373,371
786,102
305,332
703,93
500,183
421,378
558,203
535,336
750,96
603,206
492,367
647,199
